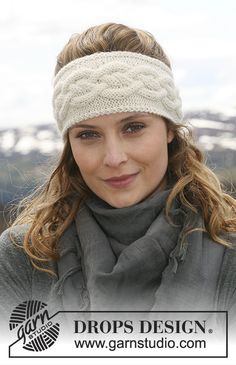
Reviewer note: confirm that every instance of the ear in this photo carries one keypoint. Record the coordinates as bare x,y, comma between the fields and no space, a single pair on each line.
170,136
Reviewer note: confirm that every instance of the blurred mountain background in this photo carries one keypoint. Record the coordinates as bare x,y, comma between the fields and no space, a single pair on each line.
29,153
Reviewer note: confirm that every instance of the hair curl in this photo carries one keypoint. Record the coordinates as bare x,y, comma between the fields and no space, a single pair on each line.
52,208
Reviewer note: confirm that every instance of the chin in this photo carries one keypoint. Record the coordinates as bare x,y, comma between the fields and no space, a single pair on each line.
125,203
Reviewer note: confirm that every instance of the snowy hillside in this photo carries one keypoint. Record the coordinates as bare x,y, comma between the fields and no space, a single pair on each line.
212,131
42,138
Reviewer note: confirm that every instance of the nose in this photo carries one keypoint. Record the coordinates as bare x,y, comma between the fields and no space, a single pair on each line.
114,154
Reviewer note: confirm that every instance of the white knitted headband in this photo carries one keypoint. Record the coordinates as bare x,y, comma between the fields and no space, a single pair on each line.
111,82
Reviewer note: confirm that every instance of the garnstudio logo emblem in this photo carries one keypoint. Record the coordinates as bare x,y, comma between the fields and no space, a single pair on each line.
33,325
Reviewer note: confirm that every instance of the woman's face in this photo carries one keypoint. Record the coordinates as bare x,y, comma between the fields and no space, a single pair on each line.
122,157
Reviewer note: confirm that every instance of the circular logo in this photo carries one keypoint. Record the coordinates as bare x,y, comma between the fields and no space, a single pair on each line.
33,325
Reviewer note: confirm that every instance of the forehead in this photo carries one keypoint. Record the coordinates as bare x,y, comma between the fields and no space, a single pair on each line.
115,118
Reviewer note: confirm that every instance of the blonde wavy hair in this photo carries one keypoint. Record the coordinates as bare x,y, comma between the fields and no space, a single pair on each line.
52,208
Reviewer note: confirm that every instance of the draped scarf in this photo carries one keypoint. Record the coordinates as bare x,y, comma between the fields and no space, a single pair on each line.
132,258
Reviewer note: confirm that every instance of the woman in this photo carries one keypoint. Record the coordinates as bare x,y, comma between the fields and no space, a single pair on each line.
131,218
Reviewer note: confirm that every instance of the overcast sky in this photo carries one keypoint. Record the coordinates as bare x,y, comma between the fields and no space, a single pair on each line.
199,37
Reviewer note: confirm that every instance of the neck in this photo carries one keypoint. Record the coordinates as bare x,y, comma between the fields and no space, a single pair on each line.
129,223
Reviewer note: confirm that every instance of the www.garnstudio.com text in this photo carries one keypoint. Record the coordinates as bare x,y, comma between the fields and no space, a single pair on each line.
162,343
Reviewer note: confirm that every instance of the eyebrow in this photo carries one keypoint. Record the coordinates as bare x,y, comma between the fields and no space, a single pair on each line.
124,120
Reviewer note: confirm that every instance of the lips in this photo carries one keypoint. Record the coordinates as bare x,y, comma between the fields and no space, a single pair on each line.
120,178
121,181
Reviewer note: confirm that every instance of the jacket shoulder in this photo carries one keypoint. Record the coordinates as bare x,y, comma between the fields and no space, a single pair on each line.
227,278
11,240
15,269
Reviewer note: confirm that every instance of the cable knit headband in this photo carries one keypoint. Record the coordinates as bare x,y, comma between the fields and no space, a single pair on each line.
111,82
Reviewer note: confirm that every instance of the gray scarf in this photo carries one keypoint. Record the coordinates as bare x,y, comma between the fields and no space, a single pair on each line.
133,259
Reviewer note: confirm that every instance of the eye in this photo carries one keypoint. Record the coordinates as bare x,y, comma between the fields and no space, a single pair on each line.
85,135
134,127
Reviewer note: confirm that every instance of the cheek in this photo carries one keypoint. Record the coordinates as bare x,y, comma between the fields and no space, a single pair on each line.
154,153
85,160
79,158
